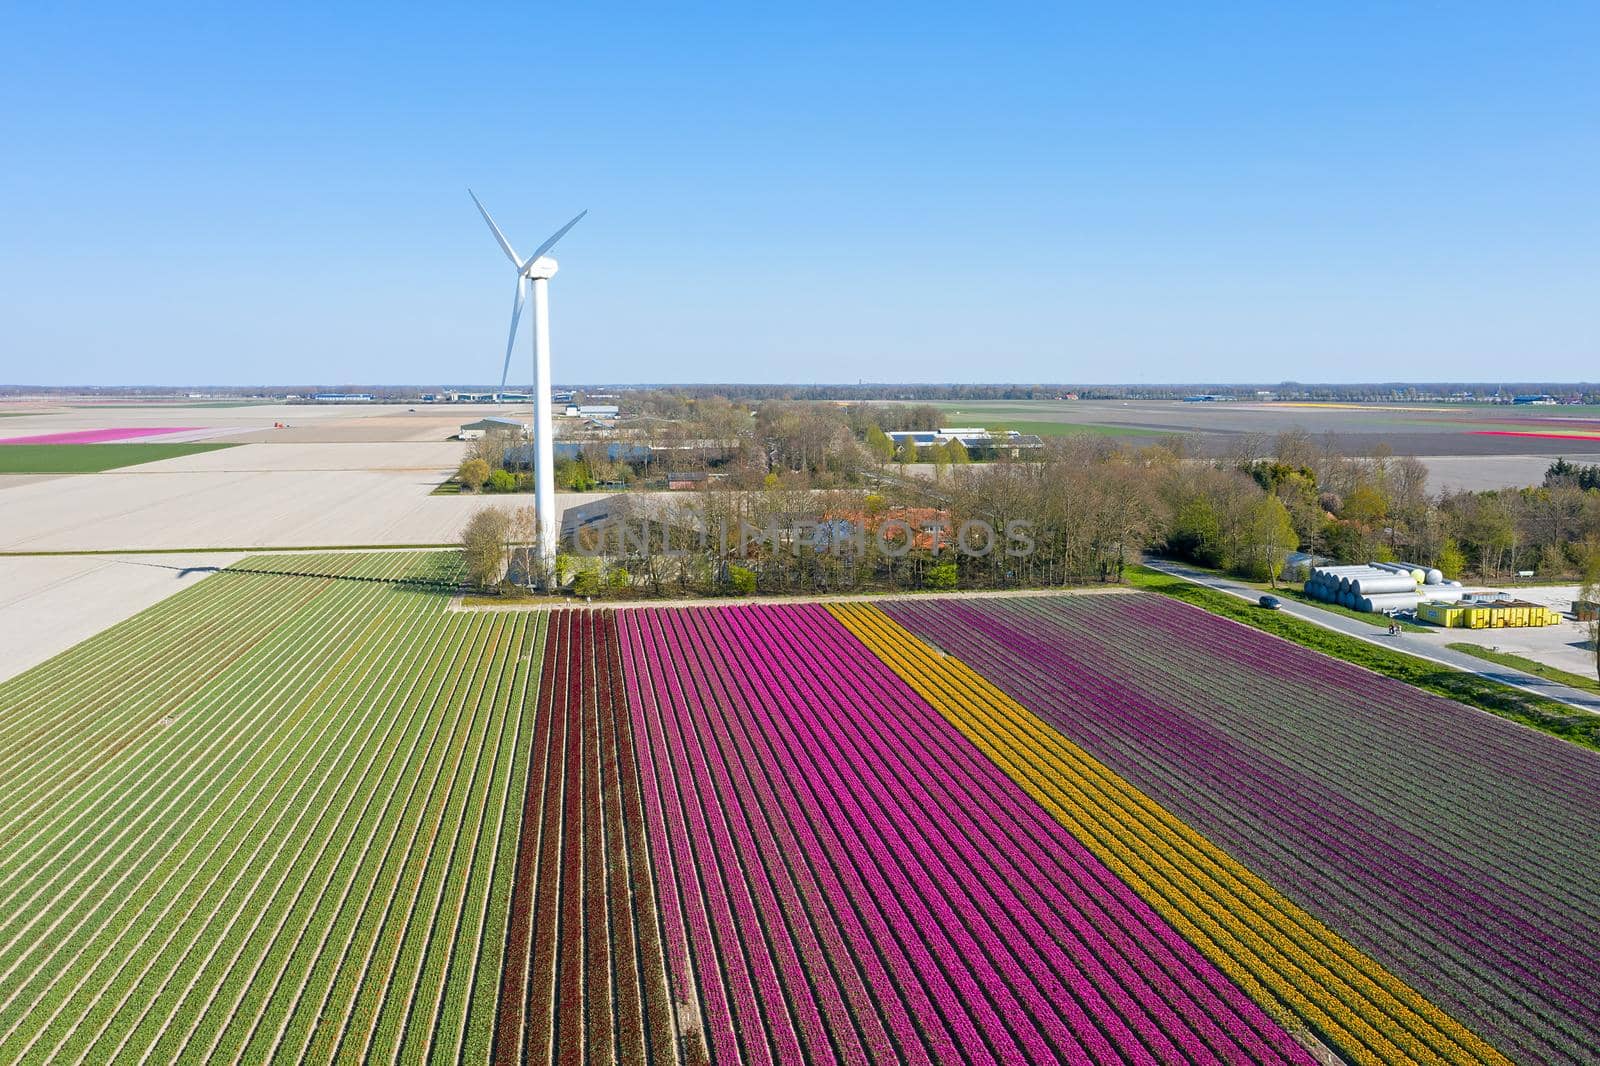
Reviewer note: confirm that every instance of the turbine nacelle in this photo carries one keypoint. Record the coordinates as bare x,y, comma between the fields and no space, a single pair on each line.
542,268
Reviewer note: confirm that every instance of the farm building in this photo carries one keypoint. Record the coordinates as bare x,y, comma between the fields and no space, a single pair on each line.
477,430
681,480
521,457
592,410
980,443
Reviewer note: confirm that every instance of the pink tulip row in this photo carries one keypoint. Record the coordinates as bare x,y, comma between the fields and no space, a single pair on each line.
98,436
844,877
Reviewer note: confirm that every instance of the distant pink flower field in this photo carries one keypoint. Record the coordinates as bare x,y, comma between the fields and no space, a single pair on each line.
99,436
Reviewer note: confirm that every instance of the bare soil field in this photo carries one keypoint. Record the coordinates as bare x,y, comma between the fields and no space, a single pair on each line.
338,475
49,604
1476,473
433,457
1422,430
123,510
306,423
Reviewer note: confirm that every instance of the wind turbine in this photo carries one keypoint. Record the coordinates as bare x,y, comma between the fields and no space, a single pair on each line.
534,274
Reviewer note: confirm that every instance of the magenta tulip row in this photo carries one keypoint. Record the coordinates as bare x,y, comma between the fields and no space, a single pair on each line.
844,877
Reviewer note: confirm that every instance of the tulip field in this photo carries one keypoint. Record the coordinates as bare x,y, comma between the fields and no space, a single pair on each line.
304,811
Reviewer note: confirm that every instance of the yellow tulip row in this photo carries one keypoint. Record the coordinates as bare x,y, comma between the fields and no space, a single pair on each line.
1280,955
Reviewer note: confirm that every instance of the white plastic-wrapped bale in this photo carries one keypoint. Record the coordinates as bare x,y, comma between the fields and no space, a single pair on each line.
1392,602
1434,576
1383,585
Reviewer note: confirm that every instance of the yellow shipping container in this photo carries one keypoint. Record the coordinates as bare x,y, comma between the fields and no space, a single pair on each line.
1475,617
1441,614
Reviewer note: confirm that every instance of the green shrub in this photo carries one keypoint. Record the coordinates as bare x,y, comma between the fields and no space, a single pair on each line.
587,583
502,481
942,576
473,473
742,580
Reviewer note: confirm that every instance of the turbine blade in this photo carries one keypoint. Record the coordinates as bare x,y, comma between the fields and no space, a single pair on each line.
505,245
551,243
511,340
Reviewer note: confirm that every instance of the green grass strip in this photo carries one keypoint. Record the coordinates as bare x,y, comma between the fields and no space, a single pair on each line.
1529,666
91,458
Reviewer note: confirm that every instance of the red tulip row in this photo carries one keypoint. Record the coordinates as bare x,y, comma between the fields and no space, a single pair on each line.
584,979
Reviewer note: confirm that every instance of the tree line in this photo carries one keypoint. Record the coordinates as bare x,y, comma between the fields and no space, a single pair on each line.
1093,506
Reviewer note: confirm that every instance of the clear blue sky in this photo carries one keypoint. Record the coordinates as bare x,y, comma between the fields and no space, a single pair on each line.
1226,192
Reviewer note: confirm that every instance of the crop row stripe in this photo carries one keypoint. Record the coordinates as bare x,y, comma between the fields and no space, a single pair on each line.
1183,994
1497,972
213,718
1256,935
342,972
683,987
584,978
89,718
205,961
202,1001
370,1007
1511,803
235,789
639,960
284,997
130,913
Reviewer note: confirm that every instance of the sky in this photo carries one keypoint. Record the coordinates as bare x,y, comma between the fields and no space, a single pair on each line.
802,193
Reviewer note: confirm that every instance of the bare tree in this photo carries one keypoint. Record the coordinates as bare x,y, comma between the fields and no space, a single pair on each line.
483,543
494,447
1590,593
522,539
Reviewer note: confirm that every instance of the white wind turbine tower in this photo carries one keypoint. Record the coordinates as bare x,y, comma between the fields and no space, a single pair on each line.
534,273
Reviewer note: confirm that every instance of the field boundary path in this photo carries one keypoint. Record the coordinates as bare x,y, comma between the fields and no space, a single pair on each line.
1421,645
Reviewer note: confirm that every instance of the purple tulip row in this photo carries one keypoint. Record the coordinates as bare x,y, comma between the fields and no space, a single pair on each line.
1186,724
844,877
1531,851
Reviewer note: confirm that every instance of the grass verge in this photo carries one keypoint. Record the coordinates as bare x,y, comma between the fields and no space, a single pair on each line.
1529,666
90,458
1547,715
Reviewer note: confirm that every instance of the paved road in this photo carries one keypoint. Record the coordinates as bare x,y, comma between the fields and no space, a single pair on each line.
1423,645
